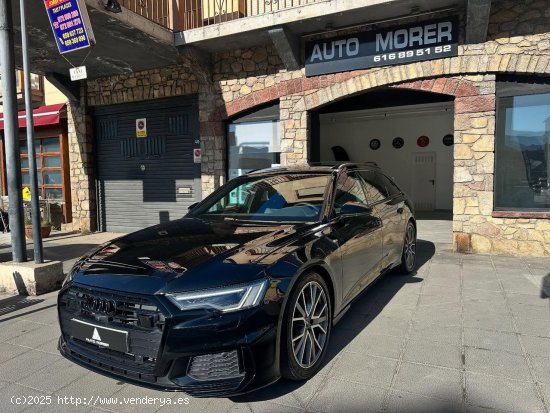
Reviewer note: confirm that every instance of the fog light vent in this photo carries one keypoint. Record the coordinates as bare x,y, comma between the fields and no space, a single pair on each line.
215,366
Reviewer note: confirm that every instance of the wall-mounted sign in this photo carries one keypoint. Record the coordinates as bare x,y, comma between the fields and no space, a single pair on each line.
448,140
70,24
78,73
398,143
414,42
375,144
197,155
423,141
141,128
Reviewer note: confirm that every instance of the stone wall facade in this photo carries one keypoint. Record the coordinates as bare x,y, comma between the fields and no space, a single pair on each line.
81,168
518,42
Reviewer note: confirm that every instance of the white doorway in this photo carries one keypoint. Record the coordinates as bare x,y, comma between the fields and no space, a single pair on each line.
423,185
423,168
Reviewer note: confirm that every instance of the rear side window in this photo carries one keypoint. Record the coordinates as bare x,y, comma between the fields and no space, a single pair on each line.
391,188
349,189
374,187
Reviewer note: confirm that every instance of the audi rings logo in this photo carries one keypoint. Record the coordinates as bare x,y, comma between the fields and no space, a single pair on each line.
99,305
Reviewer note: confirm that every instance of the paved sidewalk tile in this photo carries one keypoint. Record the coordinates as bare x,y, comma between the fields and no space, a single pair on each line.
400,402
9,331
91,385
16,398
364,369
26,364
438,354
536,346
376,345
501,393
492,340
436,332
430,381
338,396
9,351
497,363
37,337
541,366
62,370
488,321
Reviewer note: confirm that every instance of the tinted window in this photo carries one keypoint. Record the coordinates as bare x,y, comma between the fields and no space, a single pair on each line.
349,190
376,190
292,197
391,188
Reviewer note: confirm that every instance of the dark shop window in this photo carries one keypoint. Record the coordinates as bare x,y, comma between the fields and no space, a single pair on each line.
522,153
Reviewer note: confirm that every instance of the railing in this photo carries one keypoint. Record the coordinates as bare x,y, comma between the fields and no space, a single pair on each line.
159,11
178,15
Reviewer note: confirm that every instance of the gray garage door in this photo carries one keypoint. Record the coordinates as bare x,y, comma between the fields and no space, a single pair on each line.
143,181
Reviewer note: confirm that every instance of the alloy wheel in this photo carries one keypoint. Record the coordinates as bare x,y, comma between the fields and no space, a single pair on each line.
410,247
309,324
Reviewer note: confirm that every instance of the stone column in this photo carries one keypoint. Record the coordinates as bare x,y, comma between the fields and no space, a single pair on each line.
212,137
81,166
474,162
294,130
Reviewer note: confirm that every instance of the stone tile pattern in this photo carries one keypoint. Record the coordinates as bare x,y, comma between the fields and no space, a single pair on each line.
145,85
454,337
81,168
242,79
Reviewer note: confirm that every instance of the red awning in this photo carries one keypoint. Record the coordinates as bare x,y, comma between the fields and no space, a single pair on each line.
43,116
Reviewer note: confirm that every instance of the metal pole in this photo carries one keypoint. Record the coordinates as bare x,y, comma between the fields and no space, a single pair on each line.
35,200
11,133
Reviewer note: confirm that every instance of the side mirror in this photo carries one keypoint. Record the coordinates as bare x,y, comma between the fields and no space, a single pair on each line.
354,209
190,207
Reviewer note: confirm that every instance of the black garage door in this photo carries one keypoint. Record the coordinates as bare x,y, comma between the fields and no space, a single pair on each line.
143,181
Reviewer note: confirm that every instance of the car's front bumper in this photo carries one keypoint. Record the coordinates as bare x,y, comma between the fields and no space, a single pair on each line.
200,353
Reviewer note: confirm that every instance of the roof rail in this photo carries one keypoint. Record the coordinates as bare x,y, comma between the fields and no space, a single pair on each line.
338,165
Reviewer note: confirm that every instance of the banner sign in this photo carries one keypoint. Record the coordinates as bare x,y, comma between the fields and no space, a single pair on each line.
433,39
70,24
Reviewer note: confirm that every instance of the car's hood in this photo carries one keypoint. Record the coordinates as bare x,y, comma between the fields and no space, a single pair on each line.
187,254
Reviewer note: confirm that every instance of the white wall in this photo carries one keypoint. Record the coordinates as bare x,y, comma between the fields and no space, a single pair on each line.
354,130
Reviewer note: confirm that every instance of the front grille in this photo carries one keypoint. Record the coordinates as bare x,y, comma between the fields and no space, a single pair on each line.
111,363
140,317
114,308
216,366
212,388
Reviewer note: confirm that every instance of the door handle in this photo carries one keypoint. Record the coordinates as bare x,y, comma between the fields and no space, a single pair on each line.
400,210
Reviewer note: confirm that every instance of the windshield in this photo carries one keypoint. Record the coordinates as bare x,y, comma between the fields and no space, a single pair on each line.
284,197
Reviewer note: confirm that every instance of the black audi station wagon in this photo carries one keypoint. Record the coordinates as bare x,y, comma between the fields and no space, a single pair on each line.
245,288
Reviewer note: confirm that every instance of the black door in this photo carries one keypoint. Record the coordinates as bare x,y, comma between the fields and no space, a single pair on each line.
389,205
359,237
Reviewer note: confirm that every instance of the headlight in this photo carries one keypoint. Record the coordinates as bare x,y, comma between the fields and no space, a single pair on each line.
236,297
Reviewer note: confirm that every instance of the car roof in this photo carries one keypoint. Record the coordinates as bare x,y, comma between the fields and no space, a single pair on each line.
320,167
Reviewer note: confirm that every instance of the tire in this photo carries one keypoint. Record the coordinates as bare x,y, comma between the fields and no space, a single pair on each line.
408,256
302,357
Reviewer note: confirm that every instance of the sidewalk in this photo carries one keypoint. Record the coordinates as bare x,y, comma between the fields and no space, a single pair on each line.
465,334
61,246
